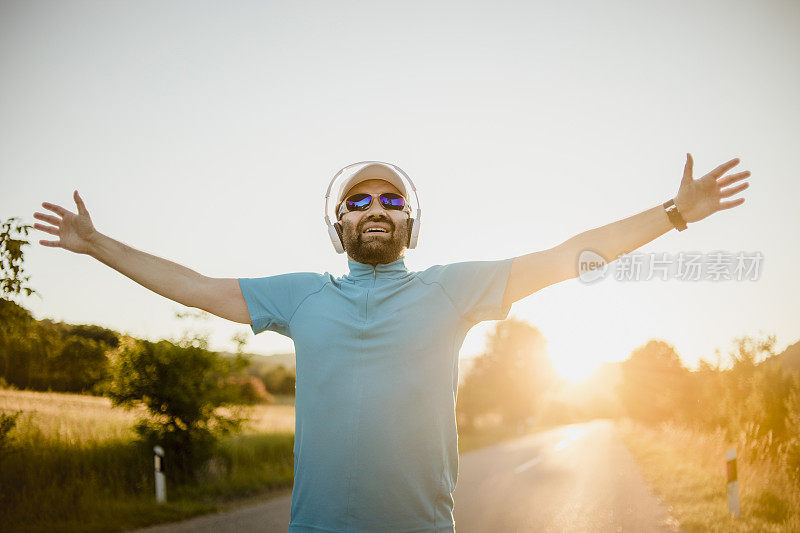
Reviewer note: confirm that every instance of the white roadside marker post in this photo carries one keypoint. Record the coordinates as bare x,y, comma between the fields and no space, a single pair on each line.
161,483
733,483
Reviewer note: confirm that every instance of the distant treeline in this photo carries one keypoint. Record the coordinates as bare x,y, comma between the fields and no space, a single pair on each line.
755,399
46,355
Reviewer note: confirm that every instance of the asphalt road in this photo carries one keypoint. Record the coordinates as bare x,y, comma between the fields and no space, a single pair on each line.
572,478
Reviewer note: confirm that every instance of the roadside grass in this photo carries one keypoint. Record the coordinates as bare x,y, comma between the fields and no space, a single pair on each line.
73,464
686,469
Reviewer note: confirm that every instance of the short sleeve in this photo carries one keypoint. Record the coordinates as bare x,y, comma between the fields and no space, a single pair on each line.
272,300
476,288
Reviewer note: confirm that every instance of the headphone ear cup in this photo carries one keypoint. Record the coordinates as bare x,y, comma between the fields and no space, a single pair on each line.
340,232
413,232
335,234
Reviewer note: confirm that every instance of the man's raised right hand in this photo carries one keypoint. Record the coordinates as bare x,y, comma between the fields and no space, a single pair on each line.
75,231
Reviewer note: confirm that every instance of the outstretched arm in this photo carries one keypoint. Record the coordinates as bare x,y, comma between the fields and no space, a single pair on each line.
696,200
76,232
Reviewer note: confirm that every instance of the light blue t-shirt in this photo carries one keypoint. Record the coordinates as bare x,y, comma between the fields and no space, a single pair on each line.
375,447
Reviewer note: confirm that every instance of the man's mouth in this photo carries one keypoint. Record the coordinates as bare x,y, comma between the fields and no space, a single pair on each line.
379,230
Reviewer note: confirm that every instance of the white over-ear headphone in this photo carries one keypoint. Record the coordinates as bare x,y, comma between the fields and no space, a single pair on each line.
335,229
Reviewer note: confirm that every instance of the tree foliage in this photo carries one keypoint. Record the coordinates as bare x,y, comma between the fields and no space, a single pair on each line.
279,380
654,382
12,280
510,378
181,387
48,355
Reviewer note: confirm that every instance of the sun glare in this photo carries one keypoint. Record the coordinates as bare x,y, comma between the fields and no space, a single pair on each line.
576,363
574,371
578,350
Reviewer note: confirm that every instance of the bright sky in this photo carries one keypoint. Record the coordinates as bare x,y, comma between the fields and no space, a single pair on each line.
207,132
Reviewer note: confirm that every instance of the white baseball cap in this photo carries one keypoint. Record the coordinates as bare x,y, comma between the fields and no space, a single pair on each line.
380,171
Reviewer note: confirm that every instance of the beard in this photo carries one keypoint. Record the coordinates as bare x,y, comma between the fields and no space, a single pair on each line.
375,248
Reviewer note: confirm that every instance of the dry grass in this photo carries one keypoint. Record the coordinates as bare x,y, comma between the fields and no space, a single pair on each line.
77,418
273,418
686,468
70,418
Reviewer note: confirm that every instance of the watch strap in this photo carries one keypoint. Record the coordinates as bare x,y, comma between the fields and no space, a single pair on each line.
674,215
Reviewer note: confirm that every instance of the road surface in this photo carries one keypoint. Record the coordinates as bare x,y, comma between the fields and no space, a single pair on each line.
572,478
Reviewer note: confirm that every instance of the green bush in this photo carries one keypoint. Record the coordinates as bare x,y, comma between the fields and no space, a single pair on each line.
181,386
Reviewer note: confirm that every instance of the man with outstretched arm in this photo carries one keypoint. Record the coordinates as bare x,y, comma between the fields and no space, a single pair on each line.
375,445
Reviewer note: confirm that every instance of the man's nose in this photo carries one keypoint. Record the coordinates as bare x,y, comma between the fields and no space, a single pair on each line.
375,208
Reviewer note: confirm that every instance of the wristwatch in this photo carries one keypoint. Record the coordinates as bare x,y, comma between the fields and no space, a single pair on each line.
674,215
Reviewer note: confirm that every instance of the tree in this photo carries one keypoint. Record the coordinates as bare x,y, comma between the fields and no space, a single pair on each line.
79,364
755,388
12,257
181,386
510,378
655,383
279,380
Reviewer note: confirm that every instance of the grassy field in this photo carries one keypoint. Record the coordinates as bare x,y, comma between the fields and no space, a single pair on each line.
76,418
73,465
687,470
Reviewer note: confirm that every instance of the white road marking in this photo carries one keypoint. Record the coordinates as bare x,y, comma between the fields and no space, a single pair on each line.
572,434
525,466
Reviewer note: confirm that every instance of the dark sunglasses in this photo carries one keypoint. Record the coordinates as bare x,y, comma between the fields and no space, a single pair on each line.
362,201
